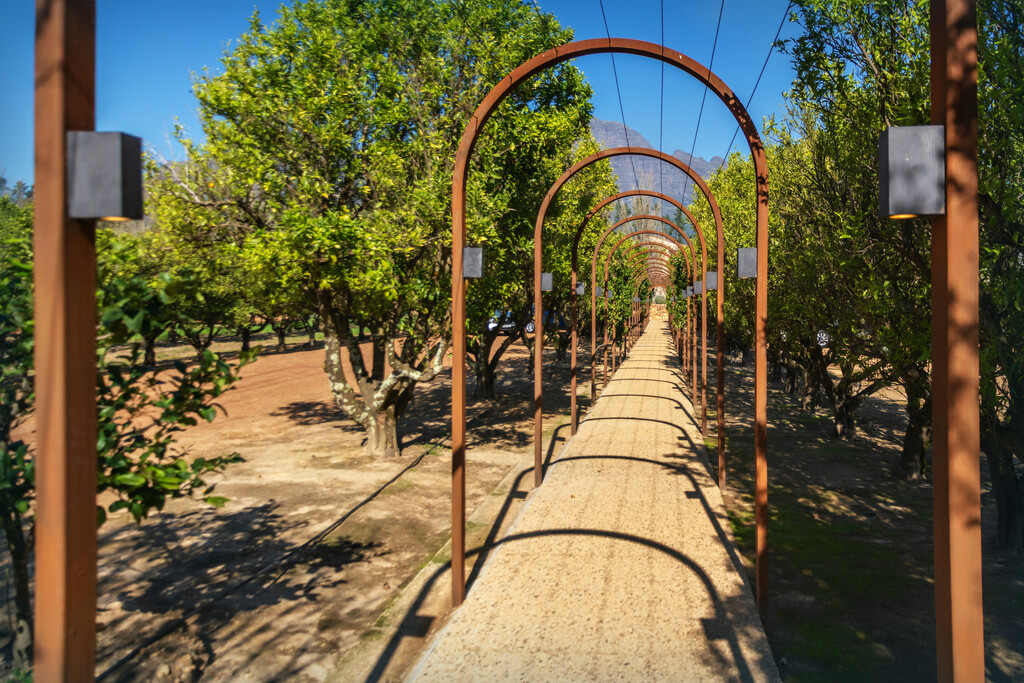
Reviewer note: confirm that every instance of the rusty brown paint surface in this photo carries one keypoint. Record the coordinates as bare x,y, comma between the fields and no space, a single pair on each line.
65,359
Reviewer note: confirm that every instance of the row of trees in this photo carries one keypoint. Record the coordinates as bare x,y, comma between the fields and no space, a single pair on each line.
835,266
326,177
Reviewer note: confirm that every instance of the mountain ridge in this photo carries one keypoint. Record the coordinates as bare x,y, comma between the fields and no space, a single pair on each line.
650,173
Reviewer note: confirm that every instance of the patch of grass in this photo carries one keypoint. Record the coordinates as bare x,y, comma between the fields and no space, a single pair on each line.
850,654
398,487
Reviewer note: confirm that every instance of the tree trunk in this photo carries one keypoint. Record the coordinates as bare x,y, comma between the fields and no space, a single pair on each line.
245,333
790,378
149,359
1008,491
844,419
18,549
913,462
382,436
809,400
485,376
282,332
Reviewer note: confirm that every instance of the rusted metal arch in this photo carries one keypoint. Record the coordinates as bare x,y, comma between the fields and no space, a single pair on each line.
575,250
476,122
593,324
720,233
538,231
607,262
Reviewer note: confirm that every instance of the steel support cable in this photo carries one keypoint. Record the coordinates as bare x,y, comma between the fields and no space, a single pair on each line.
700,114
661,118
771,49
618,92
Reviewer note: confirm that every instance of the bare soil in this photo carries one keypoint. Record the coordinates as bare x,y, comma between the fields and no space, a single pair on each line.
303,471
851,548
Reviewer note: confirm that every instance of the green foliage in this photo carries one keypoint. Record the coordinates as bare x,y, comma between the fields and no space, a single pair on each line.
141,409
17,472
331,137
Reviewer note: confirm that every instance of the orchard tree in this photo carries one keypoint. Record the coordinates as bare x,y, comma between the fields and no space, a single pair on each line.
140,409
331,137
1001,203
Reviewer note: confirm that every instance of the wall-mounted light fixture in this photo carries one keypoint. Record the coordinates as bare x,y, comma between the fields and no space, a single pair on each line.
912,172
746,262
104,175
472,262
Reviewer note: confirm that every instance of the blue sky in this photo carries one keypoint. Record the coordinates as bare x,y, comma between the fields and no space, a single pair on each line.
148,51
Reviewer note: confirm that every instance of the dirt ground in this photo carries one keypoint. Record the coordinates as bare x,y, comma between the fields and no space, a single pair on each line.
303,471
851,586
851,564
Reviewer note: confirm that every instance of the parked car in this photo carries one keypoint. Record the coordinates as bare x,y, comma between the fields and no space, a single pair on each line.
508,325
562,325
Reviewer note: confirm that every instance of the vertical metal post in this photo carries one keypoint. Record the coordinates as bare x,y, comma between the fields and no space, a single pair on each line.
459,377
538,367
65,352
573,408
955,366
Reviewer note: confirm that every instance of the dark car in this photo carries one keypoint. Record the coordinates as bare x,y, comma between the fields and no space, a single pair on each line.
508,324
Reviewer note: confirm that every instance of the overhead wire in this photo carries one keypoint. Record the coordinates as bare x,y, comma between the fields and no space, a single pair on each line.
661,116
618,91
750,99
700,114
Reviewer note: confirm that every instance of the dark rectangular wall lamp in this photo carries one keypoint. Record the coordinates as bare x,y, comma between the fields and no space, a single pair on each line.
711,277
546,282
746,262
104,175
912,172
472,262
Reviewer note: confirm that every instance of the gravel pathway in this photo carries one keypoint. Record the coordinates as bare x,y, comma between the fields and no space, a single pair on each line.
621,566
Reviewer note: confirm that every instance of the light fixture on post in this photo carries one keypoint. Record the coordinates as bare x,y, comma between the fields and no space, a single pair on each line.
711,277
104,175
472,262
581,289
698,287
912,172
746,262
546,282
599,291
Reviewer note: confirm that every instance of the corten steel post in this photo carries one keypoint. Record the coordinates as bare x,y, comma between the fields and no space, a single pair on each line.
959,614
65,356
486,107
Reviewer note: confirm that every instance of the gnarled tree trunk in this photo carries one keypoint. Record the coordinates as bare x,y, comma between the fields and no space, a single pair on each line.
913,463
14,533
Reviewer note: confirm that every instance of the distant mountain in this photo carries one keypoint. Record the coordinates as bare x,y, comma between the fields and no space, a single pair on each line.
650,172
